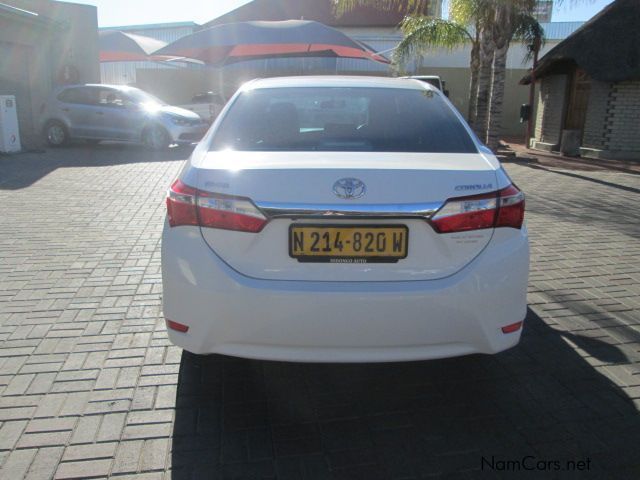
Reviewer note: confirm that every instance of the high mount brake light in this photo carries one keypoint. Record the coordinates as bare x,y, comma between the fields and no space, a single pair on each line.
189,206
504,208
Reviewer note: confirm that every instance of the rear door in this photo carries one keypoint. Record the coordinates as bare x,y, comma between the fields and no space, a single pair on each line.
77,106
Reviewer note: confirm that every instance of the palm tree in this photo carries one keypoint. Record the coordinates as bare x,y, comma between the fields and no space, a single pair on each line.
496,23
407,6
513,21
475,13
422,33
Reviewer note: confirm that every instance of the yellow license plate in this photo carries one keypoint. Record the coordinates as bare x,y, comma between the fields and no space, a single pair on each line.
348,244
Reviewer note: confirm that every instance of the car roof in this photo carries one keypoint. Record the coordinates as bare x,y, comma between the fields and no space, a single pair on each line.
424,77
336,81
98,85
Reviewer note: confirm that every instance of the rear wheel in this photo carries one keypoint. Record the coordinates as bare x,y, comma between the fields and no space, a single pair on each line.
56,133
156,138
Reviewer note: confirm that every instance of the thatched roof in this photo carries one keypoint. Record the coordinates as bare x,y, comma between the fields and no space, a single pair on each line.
607,47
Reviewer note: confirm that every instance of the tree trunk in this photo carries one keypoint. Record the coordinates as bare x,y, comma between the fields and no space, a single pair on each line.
502,33
486,53
474,65
497,98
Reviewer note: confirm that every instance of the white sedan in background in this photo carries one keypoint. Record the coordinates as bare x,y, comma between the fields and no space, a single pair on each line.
343,219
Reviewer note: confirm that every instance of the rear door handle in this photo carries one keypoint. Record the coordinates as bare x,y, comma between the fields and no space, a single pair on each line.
99,113
66,110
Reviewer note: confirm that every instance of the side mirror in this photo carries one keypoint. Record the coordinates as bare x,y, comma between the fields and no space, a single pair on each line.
446,93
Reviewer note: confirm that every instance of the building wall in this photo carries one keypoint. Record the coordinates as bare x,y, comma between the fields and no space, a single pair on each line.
623,125
550,110
597,111
538,112
73,41
16,79
33,52
612,123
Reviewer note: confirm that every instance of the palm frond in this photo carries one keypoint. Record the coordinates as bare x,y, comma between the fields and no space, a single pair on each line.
462,11
423,33
340,7
529,31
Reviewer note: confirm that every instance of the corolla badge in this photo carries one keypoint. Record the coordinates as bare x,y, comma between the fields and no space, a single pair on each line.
349,188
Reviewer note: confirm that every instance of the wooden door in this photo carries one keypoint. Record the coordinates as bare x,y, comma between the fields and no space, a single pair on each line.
578,100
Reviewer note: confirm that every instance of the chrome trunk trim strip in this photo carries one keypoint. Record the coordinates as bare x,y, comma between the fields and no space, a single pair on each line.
312,210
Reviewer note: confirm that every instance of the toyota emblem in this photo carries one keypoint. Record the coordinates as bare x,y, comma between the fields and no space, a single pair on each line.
349,188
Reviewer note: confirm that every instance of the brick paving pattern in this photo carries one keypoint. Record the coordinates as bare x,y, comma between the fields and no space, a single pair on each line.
91,388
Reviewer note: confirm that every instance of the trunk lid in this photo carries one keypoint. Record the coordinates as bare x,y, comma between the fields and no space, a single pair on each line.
305,181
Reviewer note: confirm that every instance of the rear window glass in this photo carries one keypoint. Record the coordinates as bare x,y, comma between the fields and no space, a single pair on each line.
81,95
342,119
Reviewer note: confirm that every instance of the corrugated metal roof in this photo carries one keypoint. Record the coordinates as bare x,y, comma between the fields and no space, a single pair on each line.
147,26
167,32
124,73
560,30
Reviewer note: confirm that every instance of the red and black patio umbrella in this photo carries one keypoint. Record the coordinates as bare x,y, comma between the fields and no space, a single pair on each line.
234,42
117,46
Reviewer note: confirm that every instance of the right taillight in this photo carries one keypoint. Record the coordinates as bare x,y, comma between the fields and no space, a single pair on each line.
189,206
511,207
504,208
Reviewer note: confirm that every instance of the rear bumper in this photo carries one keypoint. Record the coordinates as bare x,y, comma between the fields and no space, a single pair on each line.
229,313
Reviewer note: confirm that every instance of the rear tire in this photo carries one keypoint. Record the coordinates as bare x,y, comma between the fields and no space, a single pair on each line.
156,138
56,133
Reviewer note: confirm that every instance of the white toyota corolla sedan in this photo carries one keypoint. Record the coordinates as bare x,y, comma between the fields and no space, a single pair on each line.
343,219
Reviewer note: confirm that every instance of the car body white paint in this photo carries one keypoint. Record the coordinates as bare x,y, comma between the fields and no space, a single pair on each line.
241,294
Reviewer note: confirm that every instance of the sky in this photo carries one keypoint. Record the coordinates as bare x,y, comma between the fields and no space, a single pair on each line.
133,12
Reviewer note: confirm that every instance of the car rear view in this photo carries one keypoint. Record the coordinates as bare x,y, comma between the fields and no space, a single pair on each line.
343,219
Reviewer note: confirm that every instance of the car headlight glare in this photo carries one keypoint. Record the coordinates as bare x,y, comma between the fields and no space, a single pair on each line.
183,122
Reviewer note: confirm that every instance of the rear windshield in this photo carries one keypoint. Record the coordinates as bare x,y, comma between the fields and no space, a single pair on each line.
342,119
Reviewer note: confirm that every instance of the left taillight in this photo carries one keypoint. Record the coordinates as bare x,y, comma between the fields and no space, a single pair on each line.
504,208
181,204
189,206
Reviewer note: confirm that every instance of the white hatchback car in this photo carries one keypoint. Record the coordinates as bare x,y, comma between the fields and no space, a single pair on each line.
343,219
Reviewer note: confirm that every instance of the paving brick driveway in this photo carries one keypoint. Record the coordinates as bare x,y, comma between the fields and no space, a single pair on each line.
90,386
